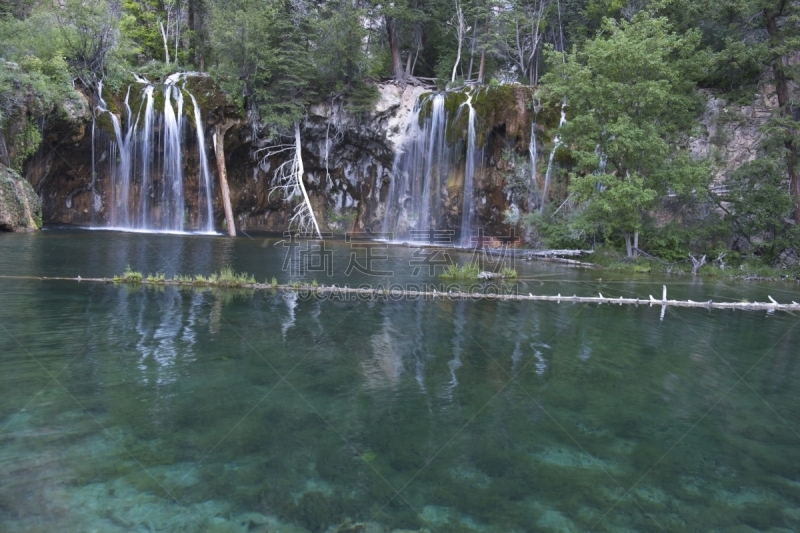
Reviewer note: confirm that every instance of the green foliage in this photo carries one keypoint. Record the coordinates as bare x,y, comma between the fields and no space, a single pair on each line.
630,92
469,271
25,144
139,24
158,277
90,35
129,276
761,206
569,232
508,273
228,278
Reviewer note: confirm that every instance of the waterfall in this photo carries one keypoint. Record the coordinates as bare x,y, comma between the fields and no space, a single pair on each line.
146,158
432,166
146,173
120,172
556,144
206,224
172,190
533,153
469,175
415,204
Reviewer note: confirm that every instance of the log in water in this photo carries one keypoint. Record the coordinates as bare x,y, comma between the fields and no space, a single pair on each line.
327,291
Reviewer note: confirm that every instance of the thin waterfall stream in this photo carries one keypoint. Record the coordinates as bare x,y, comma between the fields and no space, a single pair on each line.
556,144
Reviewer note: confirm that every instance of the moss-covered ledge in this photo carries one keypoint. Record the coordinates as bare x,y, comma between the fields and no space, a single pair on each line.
20,206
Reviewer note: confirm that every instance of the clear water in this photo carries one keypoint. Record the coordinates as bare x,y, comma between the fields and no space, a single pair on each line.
127,409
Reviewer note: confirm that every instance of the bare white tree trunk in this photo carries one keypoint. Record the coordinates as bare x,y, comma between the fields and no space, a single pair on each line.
289,176
299,177
164,37
461,28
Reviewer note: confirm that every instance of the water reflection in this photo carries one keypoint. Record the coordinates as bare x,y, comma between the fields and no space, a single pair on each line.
305,413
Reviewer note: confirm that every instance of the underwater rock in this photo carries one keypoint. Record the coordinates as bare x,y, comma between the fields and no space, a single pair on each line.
359,527
251,523
20,207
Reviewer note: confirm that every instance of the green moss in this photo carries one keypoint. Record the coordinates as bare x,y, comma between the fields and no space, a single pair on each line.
498,106
25,144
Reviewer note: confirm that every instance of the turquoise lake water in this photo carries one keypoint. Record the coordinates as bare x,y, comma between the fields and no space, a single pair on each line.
127,409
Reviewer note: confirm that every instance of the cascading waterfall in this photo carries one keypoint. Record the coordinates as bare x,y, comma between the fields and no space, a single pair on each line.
434,164
147,188
469,176
415,202
146,157
205,223
533,153
556,144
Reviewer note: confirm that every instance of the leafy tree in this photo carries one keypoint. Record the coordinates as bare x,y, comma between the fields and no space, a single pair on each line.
630,94
90,33
760,205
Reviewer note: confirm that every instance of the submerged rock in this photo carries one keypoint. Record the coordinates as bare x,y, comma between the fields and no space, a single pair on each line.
20,207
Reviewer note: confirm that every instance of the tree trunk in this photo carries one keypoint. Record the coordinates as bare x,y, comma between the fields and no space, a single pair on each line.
635,244
460,16
219,153
784,105
482,68
300,171
394,47
472,48
628,250
165,39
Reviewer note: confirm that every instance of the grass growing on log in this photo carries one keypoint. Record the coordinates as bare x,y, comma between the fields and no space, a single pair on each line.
461,272
472,271
129,276
226,277
509,273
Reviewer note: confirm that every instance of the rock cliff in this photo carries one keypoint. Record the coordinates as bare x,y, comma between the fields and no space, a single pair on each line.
20,208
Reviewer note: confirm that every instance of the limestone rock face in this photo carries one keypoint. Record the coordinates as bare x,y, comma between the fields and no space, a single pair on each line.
732,134
20,207
348,160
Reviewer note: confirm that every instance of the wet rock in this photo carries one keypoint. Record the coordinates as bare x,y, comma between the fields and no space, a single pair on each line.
20,207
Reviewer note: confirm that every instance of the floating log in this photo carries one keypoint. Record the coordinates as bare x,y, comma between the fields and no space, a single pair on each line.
326,291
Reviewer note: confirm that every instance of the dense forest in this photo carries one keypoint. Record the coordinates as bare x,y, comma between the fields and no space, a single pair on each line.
634,77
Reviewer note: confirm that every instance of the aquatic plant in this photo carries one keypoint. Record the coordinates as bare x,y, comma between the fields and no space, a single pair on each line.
228,278
509,273
129,276
158,277
461,272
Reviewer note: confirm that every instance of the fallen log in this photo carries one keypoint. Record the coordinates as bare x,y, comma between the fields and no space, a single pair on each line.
449,293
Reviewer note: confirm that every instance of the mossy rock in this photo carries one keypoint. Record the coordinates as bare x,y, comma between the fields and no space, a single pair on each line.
20,206
507,107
